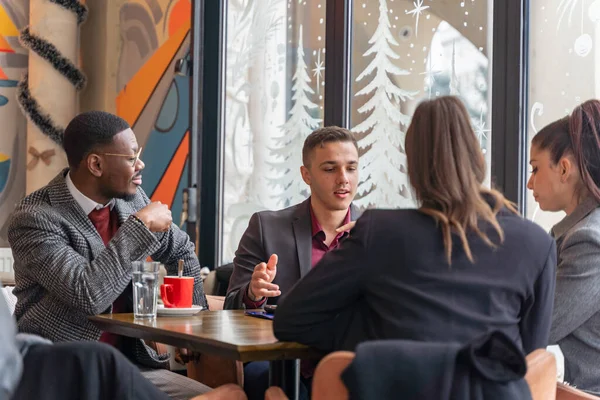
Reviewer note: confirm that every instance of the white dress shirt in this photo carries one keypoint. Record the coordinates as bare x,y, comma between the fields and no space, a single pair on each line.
88,205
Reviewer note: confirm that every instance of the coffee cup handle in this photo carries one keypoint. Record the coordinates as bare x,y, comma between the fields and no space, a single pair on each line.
166,288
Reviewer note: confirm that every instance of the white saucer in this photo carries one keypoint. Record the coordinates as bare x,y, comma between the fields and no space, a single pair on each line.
176,312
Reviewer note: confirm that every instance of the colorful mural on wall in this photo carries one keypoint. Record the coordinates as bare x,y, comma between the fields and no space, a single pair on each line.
13,63
154,97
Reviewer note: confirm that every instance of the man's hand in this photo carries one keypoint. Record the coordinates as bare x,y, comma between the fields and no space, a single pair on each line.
261,284
347,227
156,216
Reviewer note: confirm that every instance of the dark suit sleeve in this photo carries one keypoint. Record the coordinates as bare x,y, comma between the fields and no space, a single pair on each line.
536,317
319,307
249,253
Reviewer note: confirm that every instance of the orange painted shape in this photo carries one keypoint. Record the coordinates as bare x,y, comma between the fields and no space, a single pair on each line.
4,46
181,12
167,187
134,96
3,75
7,27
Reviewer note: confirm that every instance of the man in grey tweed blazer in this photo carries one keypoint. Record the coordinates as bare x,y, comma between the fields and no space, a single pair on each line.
64,272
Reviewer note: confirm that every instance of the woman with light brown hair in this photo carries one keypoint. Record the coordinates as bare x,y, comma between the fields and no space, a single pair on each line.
462,264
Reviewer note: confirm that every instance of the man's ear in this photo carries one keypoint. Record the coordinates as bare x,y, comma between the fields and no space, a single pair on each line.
305,174
95,164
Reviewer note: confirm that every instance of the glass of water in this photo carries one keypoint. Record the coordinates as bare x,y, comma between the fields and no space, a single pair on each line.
145,288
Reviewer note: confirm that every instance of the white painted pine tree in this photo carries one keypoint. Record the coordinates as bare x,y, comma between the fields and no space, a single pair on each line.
383,166
299,125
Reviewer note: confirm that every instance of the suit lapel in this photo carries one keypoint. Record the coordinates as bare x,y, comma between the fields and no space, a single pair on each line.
302,226
124,210
67,206
303,234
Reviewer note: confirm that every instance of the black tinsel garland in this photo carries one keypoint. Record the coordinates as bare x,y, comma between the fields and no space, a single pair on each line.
62,64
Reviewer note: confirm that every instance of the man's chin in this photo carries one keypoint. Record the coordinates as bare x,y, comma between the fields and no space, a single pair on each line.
129,196
125,196
340,205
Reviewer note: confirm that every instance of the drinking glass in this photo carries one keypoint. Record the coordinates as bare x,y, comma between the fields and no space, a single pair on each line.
145,288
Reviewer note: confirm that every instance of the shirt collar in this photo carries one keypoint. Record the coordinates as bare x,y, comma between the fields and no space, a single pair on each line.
582,211
316,226
88,205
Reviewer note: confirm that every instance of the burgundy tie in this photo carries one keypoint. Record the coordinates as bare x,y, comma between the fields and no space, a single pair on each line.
106,224
101,220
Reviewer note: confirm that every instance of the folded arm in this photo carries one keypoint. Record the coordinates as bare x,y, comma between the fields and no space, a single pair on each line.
43,251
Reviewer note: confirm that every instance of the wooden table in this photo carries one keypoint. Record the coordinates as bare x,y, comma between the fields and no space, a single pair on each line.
229,334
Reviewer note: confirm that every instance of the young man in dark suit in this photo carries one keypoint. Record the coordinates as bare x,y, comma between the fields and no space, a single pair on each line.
280,247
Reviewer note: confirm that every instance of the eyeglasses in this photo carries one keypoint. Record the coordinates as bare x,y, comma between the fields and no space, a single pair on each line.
133,159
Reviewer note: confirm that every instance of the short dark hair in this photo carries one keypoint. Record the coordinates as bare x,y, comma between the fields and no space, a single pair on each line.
87,131
324,135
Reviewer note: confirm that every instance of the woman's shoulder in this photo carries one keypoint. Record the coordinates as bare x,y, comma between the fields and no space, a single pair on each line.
389,215
511,223
390,211
585,230
590,221
520,228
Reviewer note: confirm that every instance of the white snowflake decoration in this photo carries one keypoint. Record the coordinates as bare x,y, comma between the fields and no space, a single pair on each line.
430,74
416,12
480,129
319,70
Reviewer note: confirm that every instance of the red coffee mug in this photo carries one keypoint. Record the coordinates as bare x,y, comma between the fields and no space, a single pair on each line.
177,292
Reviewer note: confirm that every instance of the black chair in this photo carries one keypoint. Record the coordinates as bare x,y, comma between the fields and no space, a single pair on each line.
223,275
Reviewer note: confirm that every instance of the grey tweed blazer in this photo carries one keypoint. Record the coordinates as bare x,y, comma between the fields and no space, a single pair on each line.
64,272
576,316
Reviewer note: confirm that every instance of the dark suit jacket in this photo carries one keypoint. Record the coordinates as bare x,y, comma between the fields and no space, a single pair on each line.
390,280
491,367
287,233
64,272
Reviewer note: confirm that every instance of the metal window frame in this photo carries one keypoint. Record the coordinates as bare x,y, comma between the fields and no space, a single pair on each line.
208,81
510,98
338,71
509,102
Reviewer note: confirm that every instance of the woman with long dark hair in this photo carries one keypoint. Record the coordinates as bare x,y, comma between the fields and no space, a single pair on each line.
462,264
565,176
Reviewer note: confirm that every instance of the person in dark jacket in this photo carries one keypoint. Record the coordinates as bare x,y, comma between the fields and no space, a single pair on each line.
490,367
462,264
280,247
32,367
